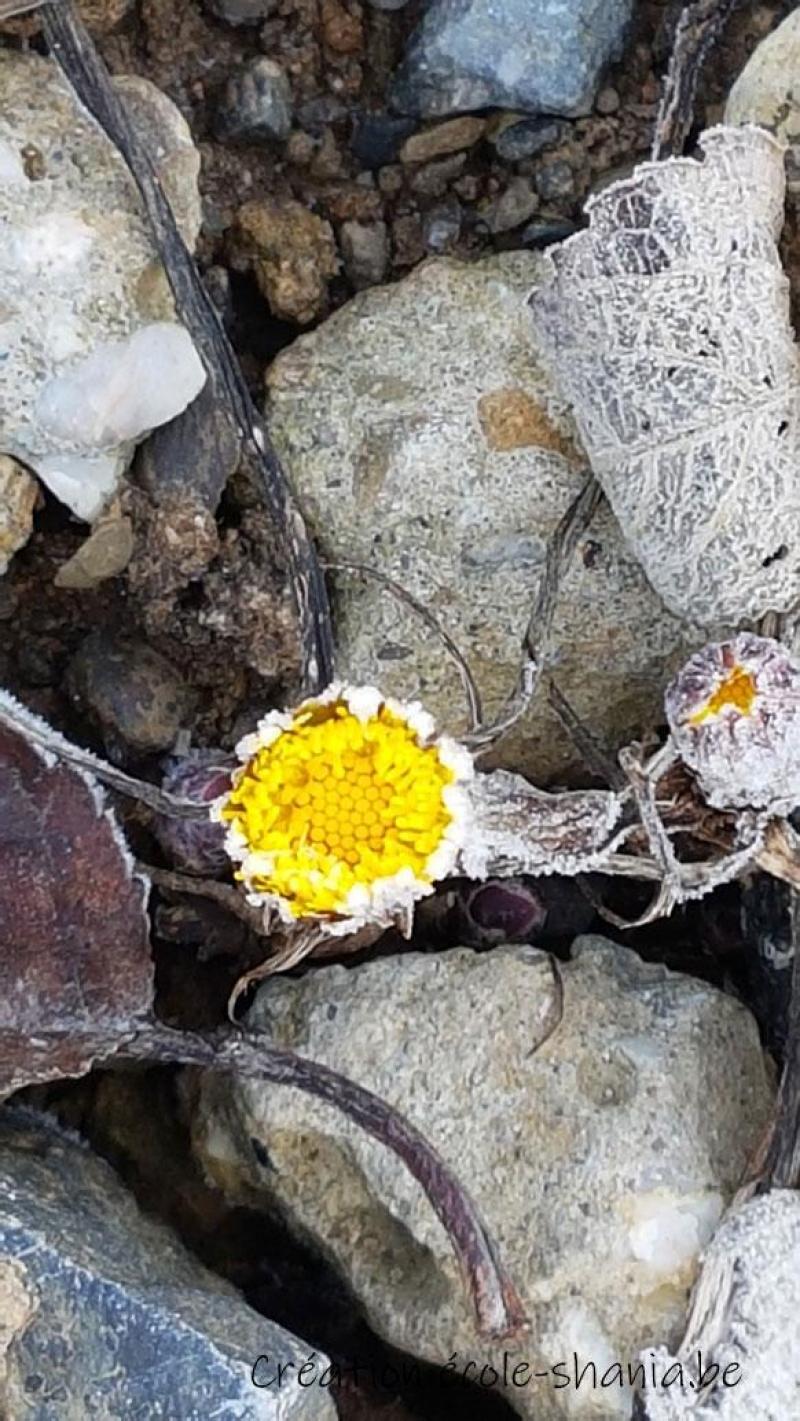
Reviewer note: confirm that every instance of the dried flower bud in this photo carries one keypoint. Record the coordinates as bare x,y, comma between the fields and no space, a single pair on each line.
734,713
196,845
501,910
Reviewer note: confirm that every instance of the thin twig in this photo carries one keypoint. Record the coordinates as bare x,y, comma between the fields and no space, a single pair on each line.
498,1307
72,48
596,758
224,894
699,27
37,732
560,549
403,595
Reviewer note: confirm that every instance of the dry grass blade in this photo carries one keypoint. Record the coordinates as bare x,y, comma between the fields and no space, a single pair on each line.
699,27
560,549
74,51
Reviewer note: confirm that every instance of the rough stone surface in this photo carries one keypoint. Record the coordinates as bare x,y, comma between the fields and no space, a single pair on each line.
424,439
79,275
365,251
292,254
134,693
241,12
104,1313
543,58
448,137
18,493
256,104
601,1157
525,137
104,554
516,205
767,91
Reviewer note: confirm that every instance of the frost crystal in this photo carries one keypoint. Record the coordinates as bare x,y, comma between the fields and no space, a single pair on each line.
666,324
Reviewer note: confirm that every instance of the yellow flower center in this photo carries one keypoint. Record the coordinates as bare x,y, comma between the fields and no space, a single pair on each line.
335,803
738,689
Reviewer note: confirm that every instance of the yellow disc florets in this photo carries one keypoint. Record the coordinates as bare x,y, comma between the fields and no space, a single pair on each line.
348,808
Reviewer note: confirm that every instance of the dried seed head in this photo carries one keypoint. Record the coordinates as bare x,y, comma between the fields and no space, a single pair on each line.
195,845
346,810
734,713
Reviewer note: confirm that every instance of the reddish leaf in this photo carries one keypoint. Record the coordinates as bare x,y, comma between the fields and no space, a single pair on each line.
75,968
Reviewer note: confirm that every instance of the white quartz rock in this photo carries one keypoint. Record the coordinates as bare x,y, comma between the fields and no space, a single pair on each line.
124,388
91,354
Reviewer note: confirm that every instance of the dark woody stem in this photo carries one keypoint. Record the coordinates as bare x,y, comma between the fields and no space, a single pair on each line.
498,1307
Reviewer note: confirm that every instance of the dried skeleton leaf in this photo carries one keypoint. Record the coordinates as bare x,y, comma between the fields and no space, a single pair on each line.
666,325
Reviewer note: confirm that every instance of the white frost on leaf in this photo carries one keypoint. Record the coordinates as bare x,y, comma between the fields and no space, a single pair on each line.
666,326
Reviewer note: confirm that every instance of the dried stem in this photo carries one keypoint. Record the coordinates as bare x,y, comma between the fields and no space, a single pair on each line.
560,549
402,595
699,27
498,1307
74,51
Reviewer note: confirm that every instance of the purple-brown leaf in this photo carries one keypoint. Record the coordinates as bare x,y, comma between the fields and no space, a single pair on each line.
75,966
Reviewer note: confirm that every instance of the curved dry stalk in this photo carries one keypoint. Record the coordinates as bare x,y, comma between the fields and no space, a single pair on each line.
397,590
560,548
698,29
498,1306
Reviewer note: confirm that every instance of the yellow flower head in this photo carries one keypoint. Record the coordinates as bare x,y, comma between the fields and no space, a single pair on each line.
348,808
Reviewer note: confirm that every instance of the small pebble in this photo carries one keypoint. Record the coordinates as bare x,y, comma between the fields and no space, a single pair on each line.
555,182
441,225
18,494
377,138
104,554
517,204
449,137
135,694
241,12
390,180
526,138
433,179
256,105
365,251
607,100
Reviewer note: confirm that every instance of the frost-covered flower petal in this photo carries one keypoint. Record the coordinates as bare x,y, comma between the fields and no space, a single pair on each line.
346,810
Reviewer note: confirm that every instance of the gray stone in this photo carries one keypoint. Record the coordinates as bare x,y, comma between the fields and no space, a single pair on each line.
767,92
365,252
524,139
601,1157
555,182
103,1313
135,694
81,279
378,138
424,439
543,58
387,4
515,206
441,225
256,104
18,494
241,12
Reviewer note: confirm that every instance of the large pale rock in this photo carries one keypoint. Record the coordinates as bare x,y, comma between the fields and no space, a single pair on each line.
424,440
104,1314
91,356
767,90
601,1160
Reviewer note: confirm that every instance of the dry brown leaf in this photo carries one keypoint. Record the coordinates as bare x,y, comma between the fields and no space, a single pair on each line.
76,974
